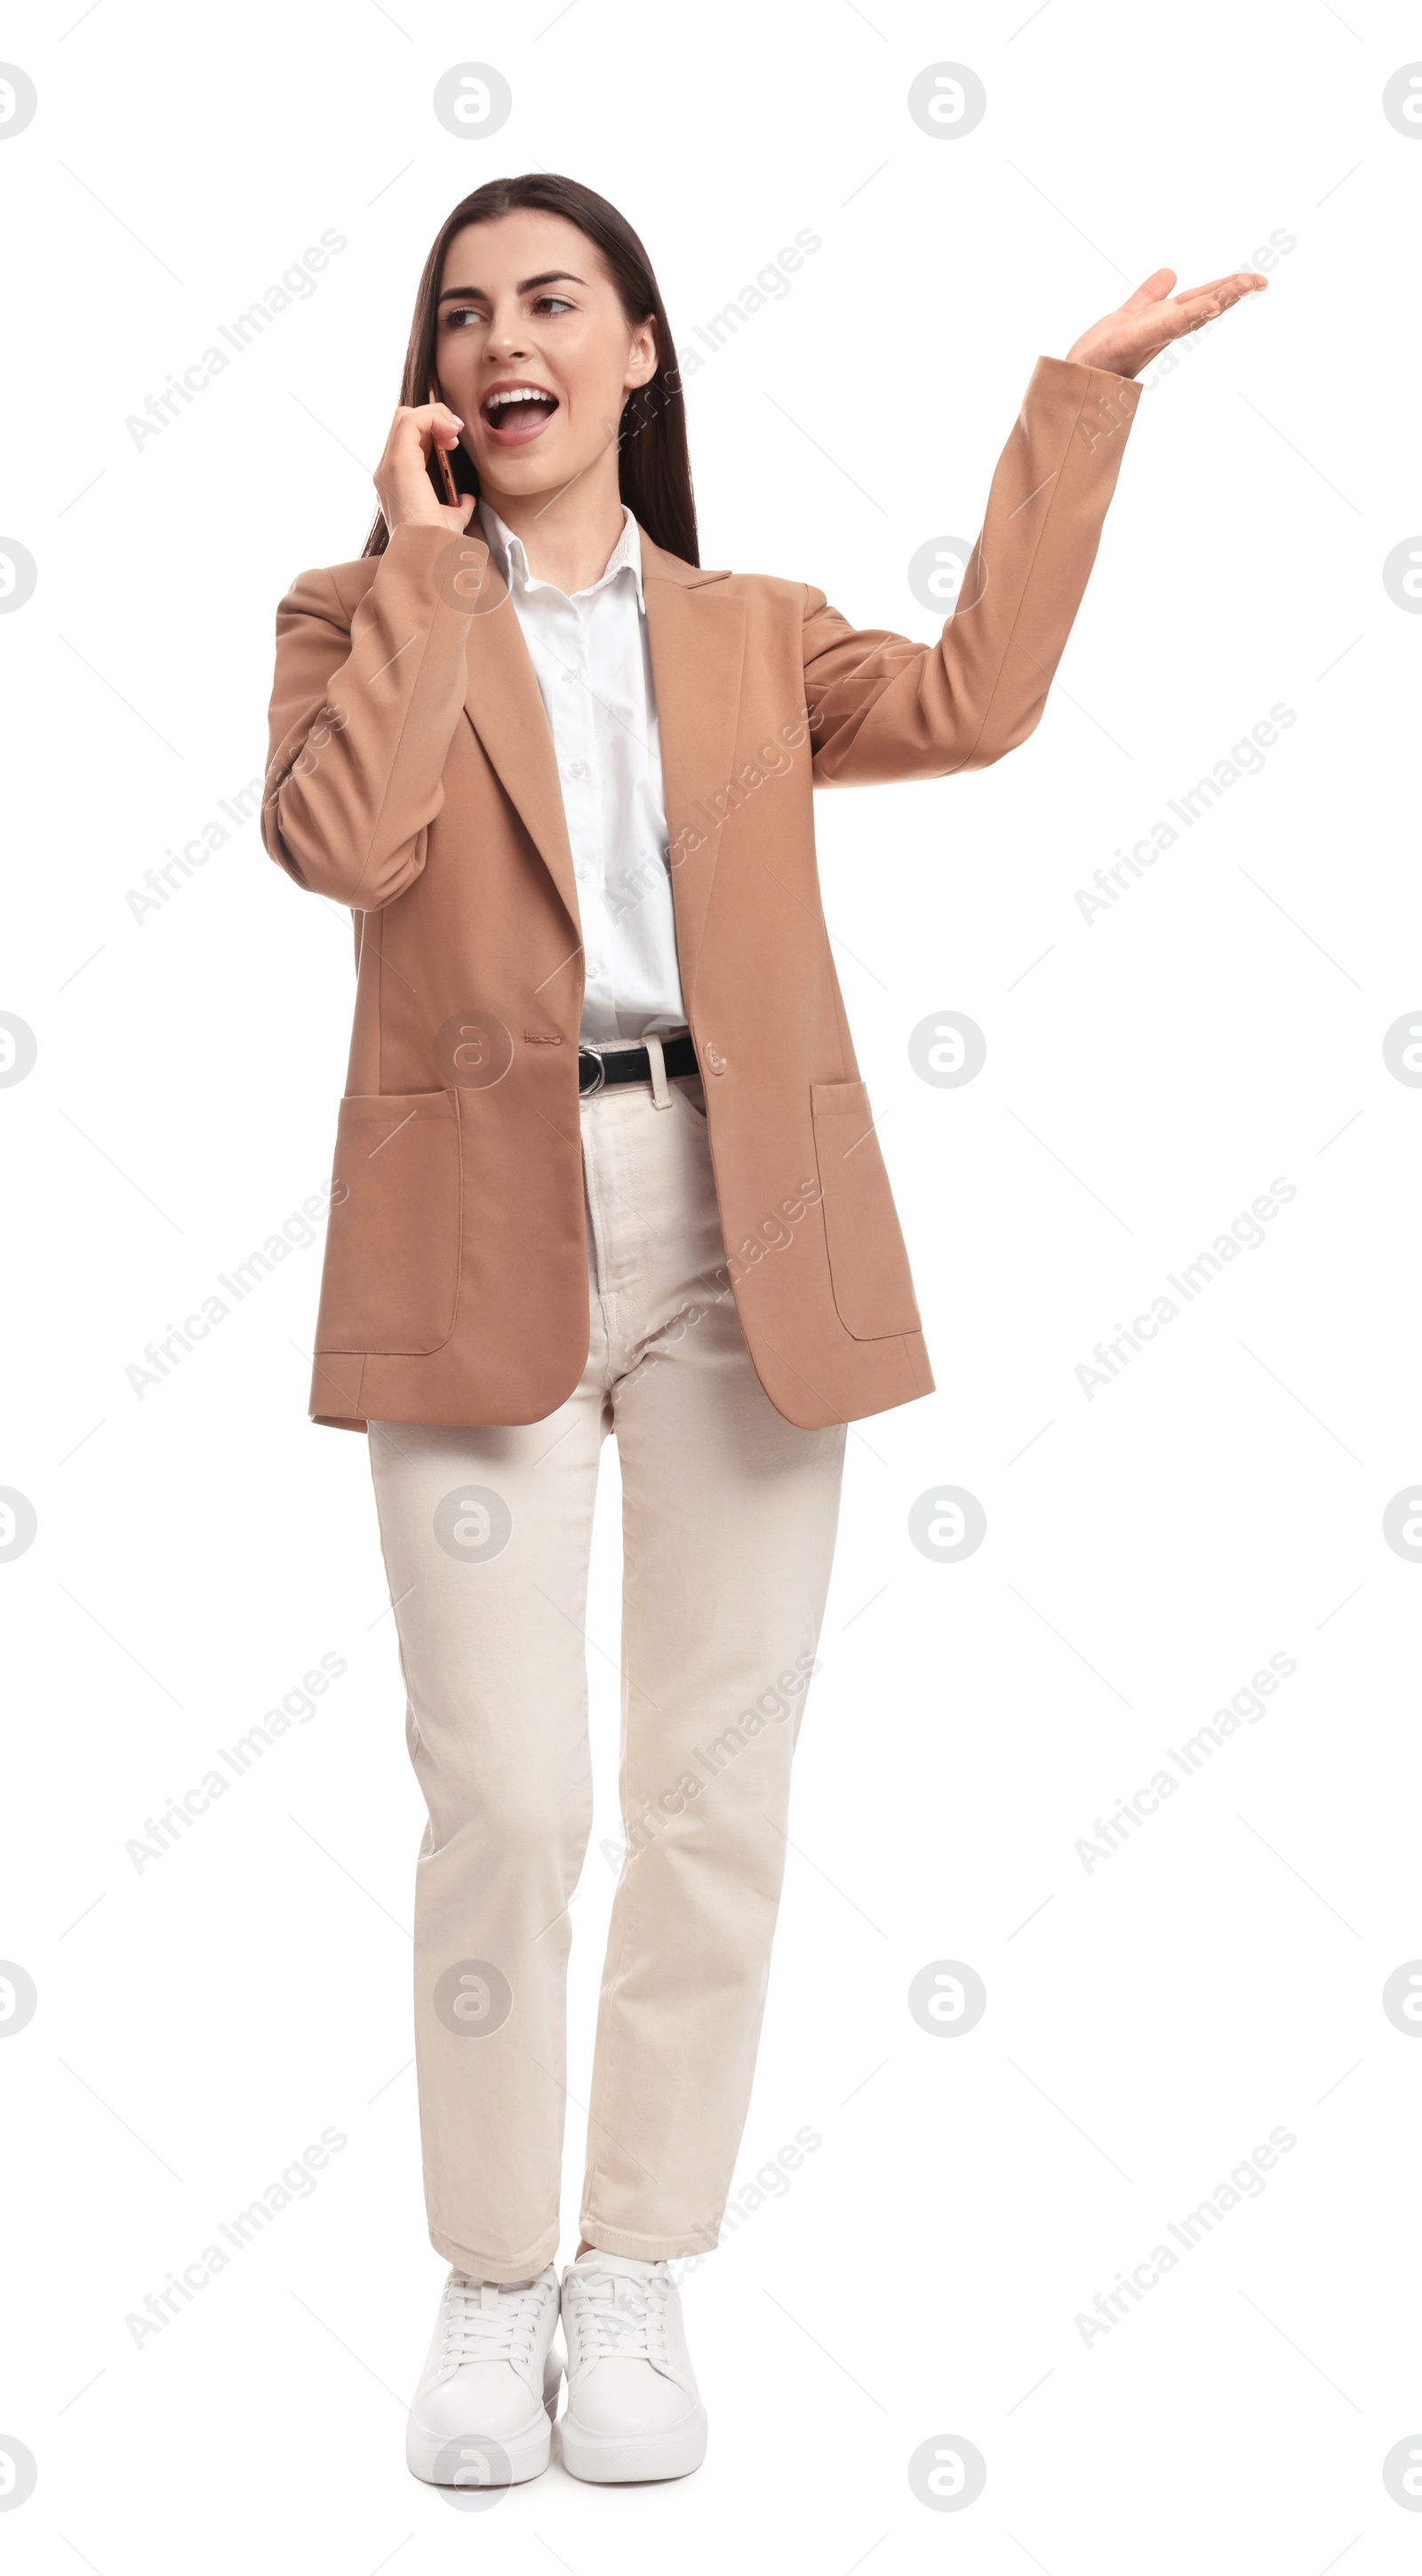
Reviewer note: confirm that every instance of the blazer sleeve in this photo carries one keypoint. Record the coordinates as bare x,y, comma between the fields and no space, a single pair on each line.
363,710
881,706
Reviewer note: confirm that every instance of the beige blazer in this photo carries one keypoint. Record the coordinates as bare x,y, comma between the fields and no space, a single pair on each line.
412,776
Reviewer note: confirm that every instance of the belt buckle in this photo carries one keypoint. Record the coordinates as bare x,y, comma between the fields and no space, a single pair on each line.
595,1053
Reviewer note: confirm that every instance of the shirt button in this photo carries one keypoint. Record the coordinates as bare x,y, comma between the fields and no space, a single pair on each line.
594,965
580,867
570,675
577,769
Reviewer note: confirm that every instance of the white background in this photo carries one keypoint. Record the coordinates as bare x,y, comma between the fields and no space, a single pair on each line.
1148,1074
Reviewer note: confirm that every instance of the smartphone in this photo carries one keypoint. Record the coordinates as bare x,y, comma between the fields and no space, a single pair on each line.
440,456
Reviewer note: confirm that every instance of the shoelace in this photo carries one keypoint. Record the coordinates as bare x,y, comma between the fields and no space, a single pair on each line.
489,2321
620,2318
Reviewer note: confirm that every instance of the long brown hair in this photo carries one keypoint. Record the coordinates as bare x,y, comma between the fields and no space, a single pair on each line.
653,465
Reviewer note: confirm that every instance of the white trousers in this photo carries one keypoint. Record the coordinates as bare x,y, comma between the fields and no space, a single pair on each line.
729,1520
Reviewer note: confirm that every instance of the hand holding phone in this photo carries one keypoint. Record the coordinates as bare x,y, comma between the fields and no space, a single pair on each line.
413,480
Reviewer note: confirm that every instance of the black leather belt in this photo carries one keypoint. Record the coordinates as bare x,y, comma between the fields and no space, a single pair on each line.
599,1067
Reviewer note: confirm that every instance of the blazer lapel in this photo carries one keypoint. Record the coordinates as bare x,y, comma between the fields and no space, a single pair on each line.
503,704
696,637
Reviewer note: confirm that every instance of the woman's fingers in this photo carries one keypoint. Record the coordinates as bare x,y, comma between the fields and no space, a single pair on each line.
1222,291
1154,290
402,478
431,420
1128,339
1216,293
1200,304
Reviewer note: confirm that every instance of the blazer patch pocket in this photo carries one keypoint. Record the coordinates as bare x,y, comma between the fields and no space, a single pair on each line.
869,1268
391,1275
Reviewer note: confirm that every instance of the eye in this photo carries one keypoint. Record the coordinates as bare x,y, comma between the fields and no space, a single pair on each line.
458,314
550,303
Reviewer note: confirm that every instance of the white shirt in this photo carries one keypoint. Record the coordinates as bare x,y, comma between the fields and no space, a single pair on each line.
594,673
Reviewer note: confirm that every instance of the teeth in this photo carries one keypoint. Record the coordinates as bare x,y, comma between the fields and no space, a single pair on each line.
519,394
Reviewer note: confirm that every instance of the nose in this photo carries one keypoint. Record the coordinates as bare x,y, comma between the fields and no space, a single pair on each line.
505,338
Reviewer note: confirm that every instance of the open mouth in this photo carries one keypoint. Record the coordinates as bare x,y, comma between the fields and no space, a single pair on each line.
513,414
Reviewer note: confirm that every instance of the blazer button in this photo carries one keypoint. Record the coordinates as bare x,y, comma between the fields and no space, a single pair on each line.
713,1059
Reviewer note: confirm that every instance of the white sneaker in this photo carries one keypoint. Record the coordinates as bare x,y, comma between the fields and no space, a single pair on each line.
633,2407
489,2388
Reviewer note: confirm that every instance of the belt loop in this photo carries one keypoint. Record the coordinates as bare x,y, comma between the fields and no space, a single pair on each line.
661,1091
657,1063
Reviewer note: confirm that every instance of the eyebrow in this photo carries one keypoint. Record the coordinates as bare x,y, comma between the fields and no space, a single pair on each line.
547,277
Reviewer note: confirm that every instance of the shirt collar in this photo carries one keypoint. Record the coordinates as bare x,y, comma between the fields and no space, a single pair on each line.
508,553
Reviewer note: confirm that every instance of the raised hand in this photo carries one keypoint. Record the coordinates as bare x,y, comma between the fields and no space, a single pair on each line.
1128,339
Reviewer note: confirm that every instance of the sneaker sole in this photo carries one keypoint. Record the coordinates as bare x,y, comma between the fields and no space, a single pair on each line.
622,2459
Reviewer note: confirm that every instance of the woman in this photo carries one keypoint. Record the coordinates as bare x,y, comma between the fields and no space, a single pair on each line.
605,1163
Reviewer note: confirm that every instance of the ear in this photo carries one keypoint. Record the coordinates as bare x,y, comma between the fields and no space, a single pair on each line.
643,360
